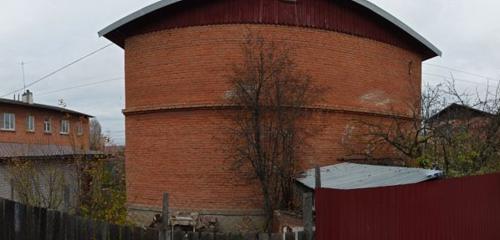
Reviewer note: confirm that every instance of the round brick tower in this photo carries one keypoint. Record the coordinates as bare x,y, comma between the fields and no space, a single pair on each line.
177,58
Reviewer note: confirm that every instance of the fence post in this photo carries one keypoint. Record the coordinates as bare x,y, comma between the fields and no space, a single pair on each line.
307,214
164,233
317,176
66,196
12,195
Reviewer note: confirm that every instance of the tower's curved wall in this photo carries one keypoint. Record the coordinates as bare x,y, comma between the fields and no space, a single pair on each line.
176,81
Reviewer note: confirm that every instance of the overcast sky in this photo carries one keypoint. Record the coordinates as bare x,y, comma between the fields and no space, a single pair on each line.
48,34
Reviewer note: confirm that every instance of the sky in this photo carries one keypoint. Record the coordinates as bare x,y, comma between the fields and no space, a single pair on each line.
48,34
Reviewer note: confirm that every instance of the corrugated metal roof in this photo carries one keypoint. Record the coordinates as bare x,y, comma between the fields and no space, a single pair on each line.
365,3
12,150
354,176
42,106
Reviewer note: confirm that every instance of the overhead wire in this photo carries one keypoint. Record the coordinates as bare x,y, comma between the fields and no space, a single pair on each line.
59,69
450,78
462,71
80,86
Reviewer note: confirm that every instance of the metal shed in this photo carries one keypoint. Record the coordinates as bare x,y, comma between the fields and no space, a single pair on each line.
355,176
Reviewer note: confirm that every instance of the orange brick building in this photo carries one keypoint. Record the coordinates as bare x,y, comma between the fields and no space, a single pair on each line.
177,58
27,123
50,137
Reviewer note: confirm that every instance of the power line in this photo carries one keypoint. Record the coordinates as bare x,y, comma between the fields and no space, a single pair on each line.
81,86
60,69
462,71
449,78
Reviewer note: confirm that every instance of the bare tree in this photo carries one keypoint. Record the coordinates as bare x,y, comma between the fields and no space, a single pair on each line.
459,142
37,182
270,95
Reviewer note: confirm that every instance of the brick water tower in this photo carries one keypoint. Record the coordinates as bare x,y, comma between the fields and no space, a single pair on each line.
178,55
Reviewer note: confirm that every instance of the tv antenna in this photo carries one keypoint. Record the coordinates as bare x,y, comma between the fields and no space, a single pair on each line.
24,75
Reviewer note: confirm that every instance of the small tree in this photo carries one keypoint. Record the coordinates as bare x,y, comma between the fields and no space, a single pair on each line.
36,182
97,139
103,194
270,95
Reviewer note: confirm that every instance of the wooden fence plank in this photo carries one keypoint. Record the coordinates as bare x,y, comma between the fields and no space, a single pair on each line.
301,236
194,236
82,228
43,224
62,226
114,232
9,233
221,236
126,233
22,221
2,218
250,236
50,225
92,229
70,227
178,235
263,236
289,236
136,233
151,234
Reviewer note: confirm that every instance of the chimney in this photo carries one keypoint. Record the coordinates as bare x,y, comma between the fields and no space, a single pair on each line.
28,97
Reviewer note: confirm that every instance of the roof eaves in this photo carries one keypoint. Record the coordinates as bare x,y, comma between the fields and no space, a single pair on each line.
379,11
456,105
42,106
135,15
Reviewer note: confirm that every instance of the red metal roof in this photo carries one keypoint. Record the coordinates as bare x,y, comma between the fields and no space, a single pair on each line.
356,17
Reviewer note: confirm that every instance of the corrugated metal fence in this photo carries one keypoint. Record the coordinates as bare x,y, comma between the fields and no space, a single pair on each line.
462,208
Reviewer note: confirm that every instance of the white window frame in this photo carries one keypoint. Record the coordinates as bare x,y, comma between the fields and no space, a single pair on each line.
65,126
30,123
47,125
9,122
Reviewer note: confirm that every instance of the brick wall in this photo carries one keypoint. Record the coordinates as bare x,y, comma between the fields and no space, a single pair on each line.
21,135
174,77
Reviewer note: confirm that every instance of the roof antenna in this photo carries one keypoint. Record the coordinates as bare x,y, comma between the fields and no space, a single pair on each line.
24,76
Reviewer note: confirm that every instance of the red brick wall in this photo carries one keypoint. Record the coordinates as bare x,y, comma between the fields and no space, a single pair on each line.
21,135
175,149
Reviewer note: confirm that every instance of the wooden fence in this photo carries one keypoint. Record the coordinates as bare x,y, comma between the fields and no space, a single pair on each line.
22,222
463,208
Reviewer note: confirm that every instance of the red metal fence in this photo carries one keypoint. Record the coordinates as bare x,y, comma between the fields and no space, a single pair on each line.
462,208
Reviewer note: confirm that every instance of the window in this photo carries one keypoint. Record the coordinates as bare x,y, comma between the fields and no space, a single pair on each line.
64,127
9,122
79,129
47,125
30,123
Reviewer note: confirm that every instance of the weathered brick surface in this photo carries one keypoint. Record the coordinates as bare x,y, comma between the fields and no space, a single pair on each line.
189,66
176,148
21,135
